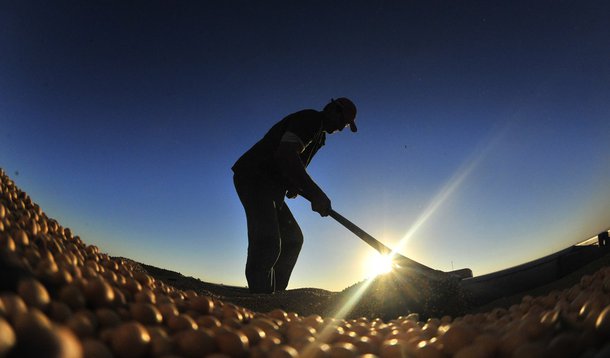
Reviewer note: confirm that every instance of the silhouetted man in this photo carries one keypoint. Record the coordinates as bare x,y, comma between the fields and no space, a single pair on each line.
273,168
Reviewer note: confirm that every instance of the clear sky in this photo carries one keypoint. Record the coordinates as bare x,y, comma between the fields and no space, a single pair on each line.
483,142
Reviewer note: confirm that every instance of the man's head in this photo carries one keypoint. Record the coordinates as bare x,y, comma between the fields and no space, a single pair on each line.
341,112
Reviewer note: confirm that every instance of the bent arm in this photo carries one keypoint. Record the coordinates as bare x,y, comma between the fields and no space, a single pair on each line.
289,162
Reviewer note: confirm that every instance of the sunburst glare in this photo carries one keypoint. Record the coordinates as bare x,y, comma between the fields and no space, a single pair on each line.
378,264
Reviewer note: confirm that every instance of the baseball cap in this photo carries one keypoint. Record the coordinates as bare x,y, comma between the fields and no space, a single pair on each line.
348,110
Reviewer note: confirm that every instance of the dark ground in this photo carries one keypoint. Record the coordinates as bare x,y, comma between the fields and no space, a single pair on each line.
387,297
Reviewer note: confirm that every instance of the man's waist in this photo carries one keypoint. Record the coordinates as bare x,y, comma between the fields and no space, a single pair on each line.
270,176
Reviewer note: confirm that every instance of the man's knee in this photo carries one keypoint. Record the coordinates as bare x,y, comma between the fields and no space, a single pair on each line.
299,239
292,234
264,251
293,241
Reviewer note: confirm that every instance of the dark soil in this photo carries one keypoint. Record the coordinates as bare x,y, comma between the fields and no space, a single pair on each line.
386,297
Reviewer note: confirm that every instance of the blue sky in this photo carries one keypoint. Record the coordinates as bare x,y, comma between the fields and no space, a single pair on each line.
483,126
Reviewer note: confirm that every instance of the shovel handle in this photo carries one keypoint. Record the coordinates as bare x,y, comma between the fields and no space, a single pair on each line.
381,248
374,243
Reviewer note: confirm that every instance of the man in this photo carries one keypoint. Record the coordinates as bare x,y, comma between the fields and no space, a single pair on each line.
273,168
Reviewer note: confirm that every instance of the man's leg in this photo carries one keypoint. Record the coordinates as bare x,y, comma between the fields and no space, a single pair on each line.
263,235
292,241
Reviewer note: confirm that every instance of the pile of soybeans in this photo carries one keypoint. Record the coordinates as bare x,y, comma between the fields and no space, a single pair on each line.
63,298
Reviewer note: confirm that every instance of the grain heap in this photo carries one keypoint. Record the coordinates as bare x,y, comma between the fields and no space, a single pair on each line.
401,292
62,298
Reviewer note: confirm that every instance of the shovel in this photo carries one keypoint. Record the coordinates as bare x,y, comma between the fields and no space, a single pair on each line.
399,260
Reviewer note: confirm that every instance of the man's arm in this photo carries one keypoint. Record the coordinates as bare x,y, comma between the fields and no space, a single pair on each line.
289,162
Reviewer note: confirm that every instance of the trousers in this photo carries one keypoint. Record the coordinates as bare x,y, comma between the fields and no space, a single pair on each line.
274,237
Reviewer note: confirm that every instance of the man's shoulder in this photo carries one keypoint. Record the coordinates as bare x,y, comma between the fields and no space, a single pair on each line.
306,117
306,113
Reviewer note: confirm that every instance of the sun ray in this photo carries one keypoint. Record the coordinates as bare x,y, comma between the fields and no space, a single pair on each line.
452,185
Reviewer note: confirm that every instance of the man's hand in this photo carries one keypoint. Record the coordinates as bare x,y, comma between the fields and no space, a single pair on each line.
321,204
291,194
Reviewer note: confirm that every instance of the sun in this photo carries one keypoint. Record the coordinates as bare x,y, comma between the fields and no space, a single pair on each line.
378,264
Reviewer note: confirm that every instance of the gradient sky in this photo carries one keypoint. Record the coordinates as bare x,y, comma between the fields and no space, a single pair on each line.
483,142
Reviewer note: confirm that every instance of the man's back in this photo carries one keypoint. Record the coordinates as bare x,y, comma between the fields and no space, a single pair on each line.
259,159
